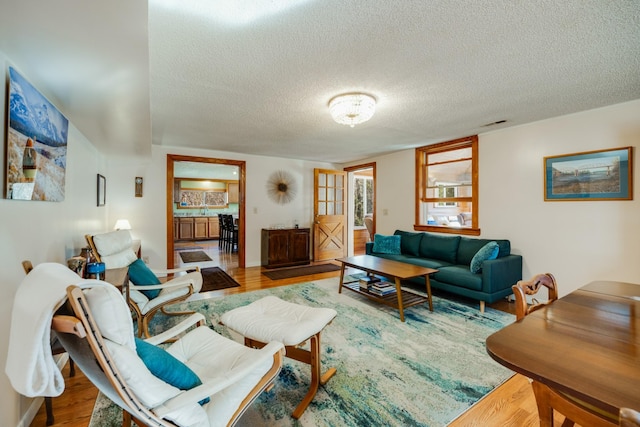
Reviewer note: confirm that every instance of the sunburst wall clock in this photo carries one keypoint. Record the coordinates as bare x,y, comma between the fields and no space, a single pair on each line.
281,187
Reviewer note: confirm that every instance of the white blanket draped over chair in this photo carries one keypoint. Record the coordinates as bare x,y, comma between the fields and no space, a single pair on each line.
93,323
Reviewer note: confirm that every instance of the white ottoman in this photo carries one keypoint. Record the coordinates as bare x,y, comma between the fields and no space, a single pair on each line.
272,319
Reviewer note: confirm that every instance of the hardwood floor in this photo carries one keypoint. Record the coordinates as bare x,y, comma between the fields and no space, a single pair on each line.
510,405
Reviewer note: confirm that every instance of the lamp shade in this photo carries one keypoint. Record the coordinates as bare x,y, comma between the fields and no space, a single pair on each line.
352,108
122,224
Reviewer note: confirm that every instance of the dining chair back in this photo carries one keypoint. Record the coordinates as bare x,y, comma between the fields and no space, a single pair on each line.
548,399
531,287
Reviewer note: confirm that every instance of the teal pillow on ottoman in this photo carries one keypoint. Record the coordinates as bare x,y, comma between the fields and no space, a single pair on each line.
140,275
166,367
488,251
386,244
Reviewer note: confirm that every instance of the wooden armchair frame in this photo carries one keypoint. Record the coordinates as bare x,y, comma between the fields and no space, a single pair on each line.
144,318
81,336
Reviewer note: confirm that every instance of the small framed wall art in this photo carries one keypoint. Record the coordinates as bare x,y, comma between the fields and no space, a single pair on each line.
102,190
590,175
139,186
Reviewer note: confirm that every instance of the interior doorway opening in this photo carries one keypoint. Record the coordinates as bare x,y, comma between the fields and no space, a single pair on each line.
198,188
361,213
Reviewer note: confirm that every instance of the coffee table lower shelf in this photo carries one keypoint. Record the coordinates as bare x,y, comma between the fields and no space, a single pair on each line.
408,298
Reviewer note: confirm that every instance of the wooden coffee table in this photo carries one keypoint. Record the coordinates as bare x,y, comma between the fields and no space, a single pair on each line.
395,270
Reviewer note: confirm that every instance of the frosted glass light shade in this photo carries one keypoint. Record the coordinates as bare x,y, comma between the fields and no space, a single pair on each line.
352,108
122,224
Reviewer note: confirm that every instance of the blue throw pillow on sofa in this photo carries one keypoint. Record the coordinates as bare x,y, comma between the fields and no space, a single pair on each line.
141,275
386,244
166,367
488,251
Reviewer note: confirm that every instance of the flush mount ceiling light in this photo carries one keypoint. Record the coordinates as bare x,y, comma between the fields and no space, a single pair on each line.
352,108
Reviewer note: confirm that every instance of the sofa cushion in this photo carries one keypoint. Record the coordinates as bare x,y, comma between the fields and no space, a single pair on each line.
488,251
409,242
470,246
440,247
423,262
459,275
386,244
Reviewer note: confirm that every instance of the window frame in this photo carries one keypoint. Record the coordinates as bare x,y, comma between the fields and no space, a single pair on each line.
422,168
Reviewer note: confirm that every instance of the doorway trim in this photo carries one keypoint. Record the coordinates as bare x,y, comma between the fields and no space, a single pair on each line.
350,170
242,165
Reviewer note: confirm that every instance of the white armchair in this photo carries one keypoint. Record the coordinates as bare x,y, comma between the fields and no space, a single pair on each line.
201,380
146,294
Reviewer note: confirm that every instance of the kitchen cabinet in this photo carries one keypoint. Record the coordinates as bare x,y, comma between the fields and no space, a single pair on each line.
196,228
233,192
285,247
185,231
201,228
214,227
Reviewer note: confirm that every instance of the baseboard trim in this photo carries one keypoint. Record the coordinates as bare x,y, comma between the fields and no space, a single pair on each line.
37,402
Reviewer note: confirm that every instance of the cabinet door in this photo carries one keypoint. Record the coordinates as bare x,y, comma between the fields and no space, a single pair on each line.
176,228
214,228
186,229
278,247
299,245
233,192
201,228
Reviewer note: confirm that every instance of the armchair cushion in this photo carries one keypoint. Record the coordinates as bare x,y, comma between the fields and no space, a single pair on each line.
166,367
386,244
115,248
141,275
488,251
151,390
111,314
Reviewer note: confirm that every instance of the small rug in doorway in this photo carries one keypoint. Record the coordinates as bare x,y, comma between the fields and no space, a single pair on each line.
195,256
214,279
188,248
307,270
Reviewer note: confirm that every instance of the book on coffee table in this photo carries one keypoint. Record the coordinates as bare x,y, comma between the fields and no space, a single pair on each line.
366,282
382,288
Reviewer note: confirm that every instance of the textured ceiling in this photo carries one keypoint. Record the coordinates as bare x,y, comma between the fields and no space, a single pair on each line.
255,76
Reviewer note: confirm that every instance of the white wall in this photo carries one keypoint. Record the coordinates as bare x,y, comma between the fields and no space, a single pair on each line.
576,241
42,232
147,215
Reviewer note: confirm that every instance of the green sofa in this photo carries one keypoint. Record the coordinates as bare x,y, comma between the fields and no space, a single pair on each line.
451,255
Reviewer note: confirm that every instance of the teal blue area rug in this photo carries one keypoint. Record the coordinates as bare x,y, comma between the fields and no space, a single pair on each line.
423,372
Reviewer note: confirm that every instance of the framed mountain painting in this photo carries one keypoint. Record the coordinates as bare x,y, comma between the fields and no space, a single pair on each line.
36,144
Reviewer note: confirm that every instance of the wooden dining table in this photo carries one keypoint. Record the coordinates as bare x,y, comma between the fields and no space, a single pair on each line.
585,344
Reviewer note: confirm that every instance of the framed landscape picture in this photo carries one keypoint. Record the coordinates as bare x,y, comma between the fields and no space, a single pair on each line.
591,175
36,144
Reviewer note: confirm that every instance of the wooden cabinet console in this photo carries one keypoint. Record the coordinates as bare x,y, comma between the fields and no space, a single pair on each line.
285,247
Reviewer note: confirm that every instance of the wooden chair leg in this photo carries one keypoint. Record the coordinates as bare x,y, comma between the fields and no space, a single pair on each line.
545,411
48,405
